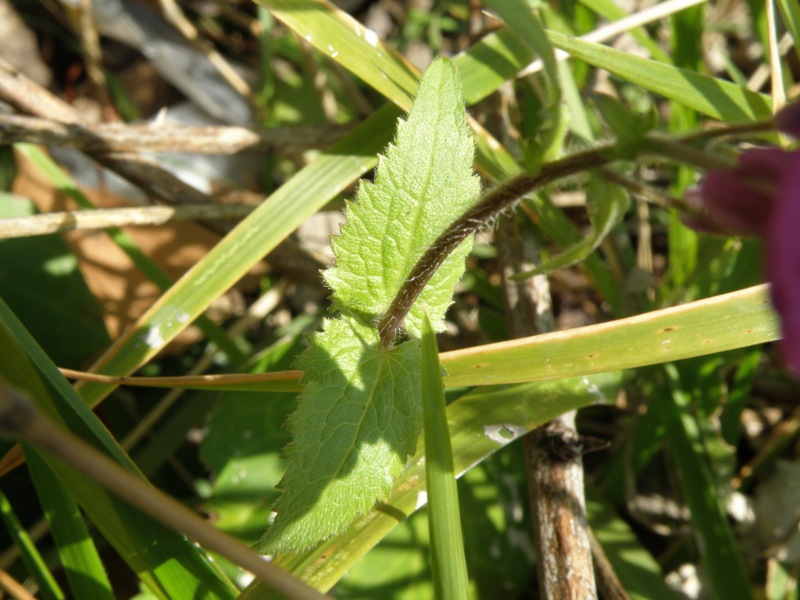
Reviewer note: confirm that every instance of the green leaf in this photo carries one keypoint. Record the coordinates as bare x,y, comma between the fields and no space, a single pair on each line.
36,565
736,320
448,562
77,553
519,19
359,416
716,98
607,205
790,11
481,422
722,561
358,420
423,184
339,36
173,568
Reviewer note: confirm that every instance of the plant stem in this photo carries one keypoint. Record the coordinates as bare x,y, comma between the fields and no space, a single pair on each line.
492,204
507,195
555,478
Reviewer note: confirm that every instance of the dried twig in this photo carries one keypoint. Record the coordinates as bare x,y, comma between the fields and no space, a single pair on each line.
117,217
555,473
166,137
90,44
175,16
14,588
28,96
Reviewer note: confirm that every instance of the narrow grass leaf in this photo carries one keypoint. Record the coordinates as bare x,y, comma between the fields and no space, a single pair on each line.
611,11
346,41
518,18
33,561
726,322
173,568
790,11
723,563
715,98
77,553
448,561
720,323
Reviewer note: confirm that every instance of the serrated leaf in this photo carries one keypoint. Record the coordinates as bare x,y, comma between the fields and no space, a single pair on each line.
358,420
359,416
423,183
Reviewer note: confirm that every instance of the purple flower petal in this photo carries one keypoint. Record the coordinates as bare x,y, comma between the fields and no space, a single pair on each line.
783,261
787,120
733,206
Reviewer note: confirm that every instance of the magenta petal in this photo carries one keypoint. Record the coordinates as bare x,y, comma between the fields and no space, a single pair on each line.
788,120
734,205
767,165
783,262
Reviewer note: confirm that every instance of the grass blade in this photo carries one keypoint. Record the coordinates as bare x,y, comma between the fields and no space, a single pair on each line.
726,322
173,568
715,98
48,587
720,323
76,550
724,565
444,517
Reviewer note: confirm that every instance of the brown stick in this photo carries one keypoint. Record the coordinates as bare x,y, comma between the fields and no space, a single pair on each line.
55,222
29,97
552,452
166,137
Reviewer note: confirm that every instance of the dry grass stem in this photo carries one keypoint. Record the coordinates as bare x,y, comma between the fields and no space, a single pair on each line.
117,217
167,137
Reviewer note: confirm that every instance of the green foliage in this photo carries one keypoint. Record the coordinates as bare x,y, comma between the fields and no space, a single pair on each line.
40,276
354,438
607,205
359,415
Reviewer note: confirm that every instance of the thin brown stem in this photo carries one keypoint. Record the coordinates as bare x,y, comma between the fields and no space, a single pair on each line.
729,131
506,195
648,193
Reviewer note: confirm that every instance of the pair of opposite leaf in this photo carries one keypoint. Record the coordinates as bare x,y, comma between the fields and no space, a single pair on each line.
359,416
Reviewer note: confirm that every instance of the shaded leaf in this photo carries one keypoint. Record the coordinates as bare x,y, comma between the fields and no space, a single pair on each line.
358,420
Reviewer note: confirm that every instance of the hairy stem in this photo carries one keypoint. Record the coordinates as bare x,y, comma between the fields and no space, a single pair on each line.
492,204
507,195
